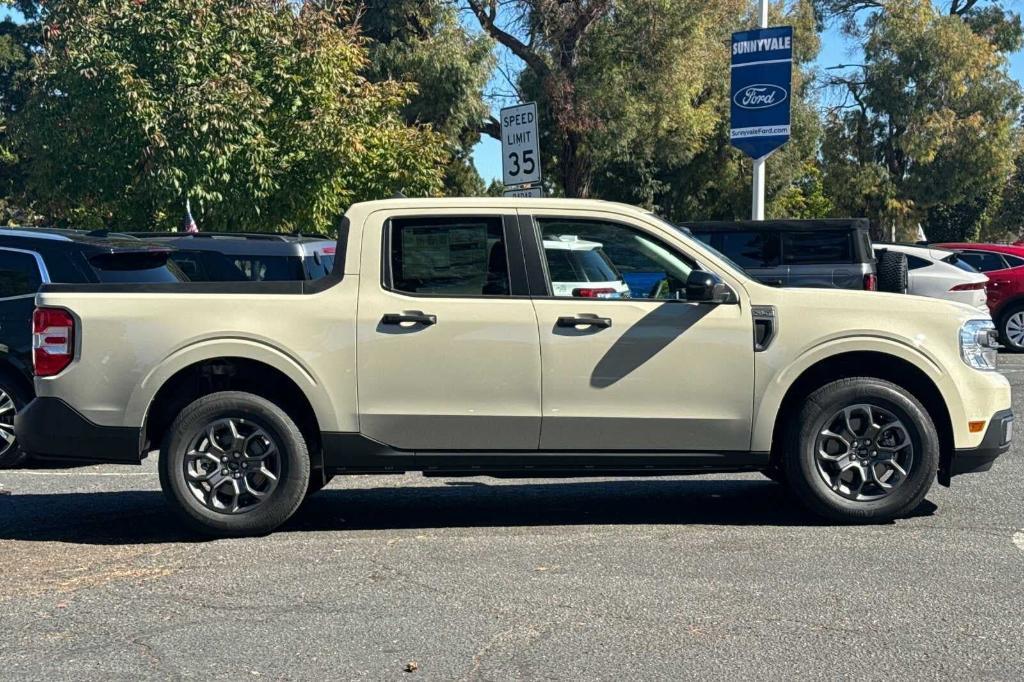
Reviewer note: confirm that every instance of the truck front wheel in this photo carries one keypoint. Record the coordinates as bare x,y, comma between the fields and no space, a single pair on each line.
862,450
234,464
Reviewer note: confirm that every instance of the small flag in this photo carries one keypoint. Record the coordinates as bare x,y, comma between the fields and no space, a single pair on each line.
189,223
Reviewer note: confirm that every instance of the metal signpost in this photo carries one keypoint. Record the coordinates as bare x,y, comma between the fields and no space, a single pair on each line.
762,74
520,150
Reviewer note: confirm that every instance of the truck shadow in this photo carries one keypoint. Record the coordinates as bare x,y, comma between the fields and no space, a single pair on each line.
142,517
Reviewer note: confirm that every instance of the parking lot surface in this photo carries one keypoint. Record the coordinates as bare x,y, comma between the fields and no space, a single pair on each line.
411,577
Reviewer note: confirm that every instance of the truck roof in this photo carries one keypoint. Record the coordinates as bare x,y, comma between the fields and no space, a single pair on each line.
494,202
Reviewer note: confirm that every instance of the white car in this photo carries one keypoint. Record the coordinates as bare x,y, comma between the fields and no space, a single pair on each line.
580,269
939,273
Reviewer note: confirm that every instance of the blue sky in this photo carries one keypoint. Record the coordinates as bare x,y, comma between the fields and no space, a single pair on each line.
835,49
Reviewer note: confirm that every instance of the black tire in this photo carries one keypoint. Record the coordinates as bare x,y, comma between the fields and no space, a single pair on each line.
317,482
11,455
892,272
1005,318
775,473
800,462
292,465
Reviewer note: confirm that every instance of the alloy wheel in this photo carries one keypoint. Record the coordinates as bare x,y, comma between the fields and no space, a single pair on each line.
232,465
7,411
1015,329
864,452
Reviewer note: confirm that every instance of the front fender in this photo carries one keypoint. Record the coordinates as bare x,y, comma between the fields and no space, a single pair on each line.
772,385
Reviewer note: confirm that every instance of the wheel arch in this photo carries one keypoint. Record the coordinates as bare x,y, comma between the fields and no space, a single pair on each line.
880,364
226,373
14,372
1012,303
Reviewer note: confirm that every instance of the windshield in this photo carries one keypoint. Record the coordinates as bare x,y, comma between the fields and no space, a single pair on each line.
688,236
591,265
955,260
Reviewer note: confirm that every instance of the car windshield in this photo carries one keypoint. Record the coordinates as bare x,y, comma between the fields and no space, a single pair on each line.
688,235
955,260
590,265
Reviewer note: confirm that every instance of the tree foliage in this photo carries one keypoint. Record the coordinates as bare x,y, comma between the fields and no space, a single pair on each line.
634,98
255,110
423,42
924,131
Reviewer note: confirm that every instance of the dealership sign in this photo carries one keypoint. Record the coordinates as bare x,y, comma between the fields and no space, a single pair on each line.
762,74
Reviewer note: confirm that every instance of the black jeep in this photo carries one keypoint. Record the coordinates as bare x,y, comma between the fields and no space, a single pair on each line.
31,257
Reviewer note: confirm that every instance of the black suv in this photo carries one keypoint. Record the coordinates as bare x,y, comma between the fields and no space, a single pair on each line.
834,254
247,256
31,257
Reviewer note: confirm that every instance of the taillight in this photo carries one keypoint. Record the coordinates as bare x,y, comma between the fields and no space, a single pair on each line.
604,292
871,282
53,340
974,286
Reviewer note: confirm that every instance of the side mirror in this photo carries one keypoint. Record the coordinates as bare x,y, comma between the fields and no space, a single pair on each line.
707,287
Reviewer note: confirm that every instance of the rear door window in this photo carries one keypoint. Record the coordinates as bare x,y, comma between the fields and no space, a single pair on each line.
268,268
984,261
19,274
449,257
817,247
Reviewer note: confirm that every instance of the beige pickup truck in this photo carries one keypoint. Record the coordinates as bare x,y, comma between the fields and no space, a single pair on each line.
438,345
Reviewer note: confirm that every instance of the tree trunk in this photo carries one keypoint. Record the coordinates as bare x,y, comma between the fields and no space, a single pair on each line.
575,166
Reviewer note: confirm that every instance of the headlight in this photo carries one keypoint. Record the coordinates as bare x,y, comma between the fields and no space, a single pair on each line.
978,344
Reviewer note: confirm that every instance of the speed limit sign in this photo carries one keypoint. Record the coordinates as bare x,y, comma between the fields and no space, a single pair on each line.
520,145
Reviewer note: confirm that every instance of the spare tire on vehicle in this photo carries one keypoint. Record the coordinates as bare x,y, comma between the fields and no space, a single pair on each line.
892,272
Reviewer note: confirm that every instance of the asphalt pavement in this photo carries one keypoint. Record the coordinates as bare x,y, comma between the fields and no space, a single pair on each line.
405,577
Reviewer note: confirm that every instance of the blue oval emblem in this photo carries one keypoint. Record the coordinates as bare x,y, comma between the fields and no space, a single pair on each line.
760,96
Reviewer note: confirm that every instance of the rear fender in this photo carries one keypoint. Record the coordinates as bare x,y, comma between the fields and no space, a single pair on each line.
250,349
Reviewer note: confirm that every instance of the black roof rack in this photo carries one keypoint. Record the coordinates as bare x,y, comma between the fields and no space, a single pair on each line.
265,236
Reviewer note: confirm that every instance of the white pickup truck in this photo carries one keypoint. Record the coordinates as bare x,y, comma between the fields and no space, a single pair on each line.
437,344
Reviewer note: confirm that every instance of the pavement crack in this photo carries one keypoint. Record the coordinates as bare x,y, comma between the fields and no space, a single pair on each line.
528,634
154,657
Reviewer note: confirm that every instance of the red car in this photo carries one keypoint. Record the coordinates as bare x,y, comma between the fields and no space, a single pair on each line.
1004,266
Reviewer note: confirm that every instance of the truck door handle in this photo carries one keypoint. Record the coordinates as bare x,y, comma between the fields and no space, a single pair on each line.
417,317
585,321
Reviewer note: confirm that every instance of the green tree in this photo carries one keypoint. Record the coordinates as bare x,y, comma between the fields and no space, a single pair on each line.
634,99
715,182
923,132
423,42
16,44
256,111
615,81
1008,223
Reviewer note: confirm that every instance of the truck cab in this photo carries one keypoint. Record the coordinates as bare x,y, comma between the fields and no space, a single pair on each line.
441,343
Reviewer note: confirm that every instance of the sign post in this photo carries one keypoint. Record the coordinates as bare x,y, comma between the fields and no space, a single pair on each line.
762,75
520,150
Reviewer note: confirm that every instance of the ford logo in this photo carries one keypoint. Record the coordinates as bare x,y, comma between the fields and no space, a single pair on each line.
760,96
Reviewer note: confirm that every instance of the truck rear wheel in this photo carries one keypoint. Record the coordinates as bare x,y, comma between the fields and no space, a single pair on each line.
862,450
234,464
